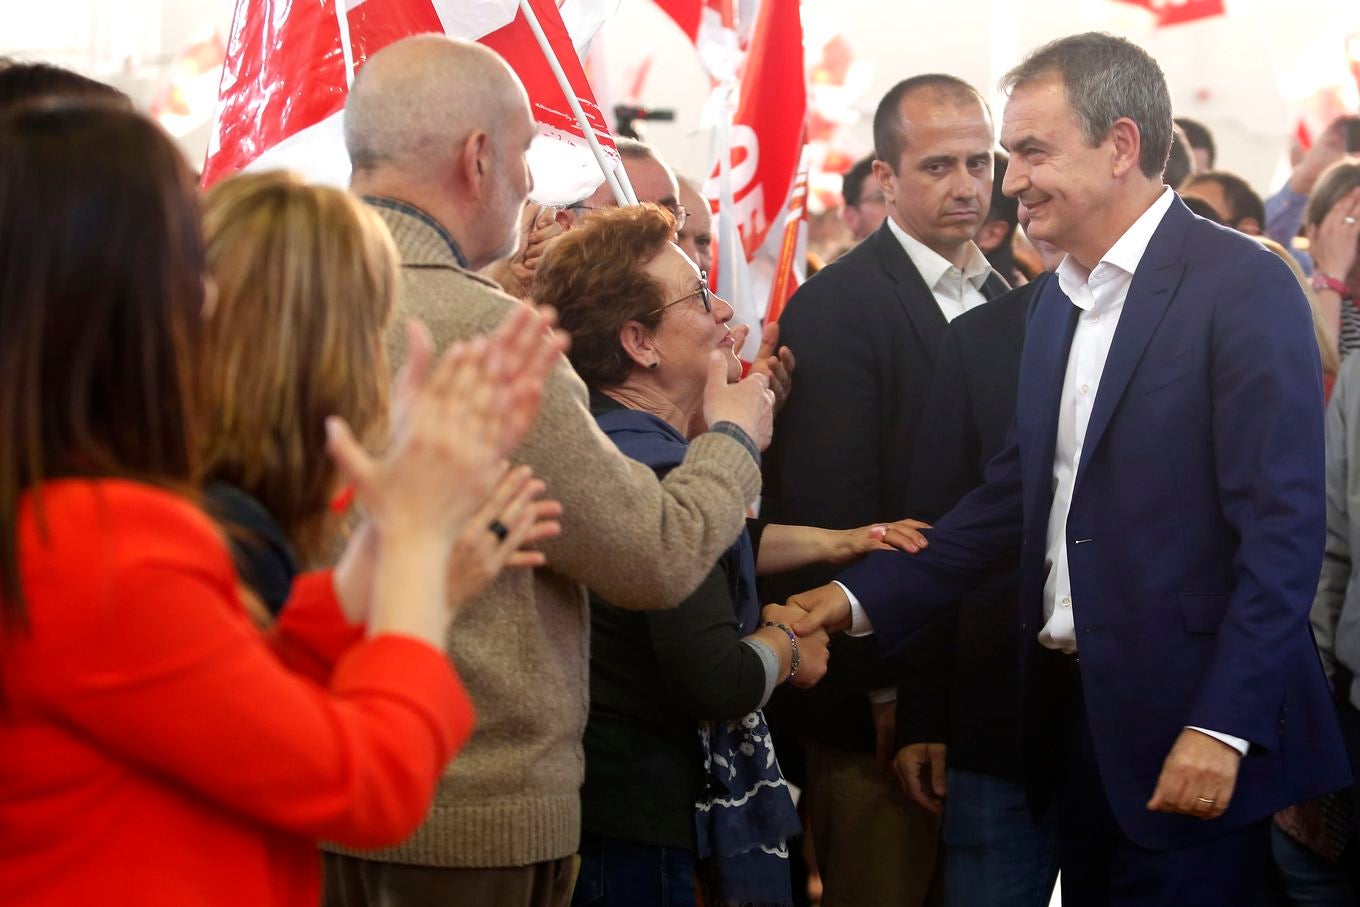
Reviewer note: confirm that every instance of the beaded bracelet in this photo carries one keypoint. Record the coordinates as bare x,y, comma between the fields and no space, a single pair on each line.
793,641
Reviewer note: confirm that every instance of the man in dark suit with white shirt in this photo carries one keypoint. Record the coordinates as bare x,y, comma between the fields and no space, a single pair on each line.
865,330
1162,488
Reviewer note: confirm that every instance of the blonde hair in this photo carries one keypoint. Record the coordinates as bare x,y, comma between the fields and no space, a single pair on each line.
306,279
1327,344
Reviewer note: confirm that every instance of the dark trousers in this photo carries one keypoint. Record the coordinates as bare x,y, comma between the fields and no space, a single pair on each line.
352,882
1101,866
621,874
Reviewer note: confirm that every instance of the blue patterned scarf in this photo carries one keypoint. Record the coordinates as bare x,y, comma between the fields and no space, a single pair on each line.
746,814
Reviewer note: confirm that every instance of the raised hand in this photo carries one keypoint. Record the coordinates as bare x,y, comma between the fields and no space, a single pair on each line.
1336,240
748,404
775,362
446,425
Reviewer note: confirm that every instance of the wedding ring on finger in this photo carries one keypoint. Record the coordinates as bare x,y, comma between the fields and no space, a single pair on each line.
1348,220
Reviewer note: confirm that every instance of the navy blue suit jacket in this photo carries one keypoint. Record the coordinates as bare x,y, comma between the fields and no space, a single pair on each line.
1195,534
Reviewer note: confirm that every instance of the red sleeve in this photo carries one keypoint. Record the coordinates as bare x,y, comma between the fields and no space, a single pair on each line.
312,633
165,674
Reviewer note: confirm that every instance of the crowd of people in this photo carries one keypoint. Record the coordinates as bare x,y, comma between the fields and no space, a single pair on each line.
393,546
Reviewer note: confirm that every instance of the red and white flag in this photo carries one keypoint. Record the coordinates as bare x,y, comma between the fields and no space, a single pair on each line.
1176,12
283,89
766,144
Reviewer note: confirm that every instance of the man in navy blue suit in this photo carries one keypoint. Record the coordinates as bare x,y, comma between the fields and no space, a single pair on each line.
1162,489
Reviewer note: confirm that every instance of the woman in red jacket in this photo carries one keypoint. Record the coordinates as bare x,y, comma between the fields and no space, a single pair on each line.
155,749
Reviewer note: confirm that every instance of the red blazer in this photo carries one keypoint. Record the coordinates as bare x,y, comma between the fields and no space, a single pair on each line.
155,749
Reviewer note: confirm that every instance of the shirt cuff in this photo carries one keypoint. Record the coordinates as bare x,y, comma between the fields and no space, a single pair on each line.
769,661
879,697
859,621
1236,743
737,433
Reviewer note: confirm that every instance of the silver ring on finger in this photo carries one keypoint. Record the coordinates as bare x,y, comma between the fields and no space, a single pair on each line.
1348,220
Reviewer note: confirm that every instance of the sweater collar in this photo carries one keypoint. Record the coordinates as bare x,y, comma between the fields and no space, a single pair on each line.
418,234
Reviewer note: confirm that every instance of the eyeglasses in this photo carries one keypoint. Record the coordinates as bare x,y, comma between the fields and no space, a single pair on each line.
677,211
701,291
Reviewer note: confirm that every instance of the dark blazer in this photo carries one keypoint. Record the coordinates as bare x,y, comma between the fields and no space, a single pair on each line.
1195,533
864,330
959,681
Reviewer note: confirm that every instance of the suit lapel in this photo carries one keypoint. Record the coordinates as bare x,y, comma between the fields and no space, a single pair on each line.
1048,340
913,295
1154,285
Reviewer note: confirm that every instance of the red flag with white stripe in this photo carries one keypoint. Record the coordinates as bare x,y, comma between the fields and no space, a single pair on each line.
283,86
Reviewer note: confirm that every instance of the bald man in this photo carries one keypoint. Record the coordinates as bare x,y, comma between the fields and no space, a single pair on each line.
696,238
437,130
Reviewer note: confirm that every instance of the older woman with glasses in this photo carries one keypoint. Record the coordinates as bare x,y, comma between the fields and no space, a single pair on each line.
676,695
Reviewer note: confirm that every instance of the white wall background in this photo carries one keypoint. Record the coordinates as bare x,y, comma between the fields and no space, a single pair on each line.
1240,74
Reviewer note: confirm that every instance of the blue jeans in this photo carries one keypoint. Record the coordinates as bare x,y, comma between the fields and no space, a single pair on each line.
994,853
620,874
1309,879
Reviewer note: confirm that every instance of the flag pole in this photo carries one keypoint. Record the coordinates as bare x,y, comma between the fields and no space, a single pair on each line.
342,19
616,181
729,241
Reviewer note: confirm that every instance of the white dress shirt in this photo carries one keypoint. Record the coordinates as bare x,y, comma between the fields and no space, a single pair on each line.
956,291
1100,295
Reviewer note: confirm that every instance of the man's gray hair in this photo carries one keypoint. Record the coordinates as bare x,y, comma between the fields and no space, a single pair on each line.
1106,78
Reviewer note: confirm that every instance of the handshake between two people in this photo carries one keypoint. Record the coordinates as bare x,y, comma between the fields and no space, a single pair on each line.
811,617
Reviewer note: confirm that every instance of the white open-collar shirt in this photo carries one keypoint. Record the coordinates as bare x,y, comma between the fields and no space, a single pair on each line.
956,290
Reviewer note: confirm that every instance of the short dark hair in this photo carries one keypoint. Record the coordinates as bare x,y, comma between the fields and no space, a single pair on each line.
1244,200
1004,208
888,138
852,183
1199,137
1203,209
101,298
593,275
1106,78
1180,161
20,82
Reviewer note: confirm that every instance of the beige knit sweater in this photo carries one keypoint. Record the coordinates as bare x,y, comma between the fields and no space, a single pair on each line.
511,797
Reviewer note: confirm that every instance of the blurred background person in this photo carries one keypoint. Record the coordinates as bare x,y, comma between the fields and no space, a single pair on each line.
996,238
1203,149
865,209
1332,227
1287,210
696,236
1233,200
1180,162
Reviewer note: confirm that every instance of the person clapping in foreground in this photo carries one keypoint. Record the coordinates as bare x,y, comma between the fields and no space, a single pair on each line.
155,748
